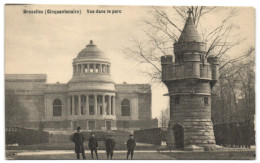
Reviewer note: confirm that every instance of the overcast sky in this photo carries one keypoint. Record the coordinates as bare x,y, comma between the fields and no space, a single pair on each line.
46,44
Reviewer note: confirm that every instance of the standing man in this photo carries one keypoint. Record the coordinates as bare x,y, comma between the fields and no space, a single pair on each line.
93,145
110,145
130,146
78,139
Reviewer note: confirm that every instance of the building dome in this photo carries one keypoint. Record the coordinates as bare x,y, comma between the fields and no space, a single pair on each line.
92,52
91,71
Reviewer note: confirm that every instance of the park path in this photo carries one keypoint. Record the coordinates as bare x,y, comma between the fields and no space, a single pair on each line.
70,155
55,152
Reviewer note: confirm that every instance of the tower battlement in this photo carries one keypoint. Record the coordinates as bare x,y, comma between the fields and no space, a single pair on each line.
213,59
166,59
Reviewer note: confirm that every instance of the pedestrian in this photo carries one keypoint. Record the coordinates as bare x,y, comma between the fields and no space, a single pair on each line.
78,139
130,146
93,145
110,145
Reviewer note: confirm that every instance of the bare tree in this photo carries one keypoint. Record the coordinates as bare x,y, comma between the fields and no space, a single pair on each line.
38,103
15,113
237,82
165,117
164,29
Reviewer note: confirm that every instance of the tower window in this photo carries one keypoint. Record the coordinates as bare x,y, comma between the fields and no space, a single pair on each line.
177,100
206,100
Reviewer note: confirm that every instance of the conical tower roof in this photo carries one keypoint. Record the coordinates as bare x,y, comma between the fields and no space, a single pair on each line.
189,32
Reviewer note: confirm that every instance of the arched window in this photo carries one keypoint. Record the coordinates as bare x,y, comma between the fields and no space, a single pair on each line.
57,107
125,107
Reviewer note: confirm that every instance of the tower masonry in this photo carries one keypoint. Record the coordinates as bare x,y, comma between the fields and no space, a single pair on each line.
190,79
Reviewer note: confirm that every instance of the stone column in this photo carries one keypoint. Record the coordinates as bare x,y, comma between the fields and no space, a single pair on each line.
82,68
78,68
103,105
114,105
73,105
68,110
79,105
109,105
100,68
108,69
94,68
87,67
87,105
104,68
95,104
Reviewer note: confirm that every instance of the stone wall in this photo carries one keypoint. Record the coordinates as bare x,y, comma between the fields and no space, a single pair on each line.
144,106
138,124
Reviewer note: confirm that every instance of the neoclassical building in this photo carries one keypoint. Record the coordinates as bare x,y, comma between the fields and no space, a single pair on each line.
90,99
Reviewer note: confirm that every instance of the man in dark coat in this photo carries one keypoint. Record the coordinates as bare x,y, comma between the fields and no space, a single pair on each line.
78,139
110,145
130,146
93,145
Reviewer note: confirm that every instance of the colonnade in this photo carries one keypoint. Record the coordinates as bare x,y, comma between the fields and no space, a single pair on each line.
91,68
91,104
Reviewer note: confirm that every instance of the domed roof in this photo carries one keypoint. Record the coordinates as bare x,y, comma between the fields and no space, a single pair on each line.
189,32
92,52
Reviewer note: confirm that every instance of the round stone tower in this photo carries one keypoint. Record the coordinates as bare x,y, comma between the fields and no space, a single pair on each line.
189,81
91,91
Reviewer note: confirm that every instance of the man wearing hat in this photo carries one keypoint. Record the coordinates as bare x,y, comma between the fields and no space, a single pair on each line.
93,145
78,139
130,146
110,145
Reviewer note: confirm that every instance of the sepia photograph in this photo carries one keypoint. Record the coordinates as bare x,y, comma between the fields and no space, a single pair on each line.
121,82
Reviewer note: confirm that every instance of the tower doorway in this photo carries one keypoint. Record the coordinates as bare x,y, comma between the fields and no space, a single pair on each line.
178,136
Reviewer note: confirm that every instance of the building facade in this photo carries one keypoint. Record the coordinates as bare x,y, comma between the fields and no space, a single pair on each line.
90,99
190,80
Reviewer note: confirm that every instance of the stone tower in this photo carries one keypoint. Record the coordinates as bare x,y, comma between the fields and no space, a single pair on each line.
189,80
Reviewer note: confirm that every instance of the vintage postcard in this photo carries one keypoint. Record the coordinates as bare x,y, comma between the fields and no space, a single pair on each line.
129,82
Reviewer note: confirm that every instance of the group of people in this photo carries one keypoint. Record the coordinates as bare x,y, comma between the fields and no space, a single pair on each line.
78,138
